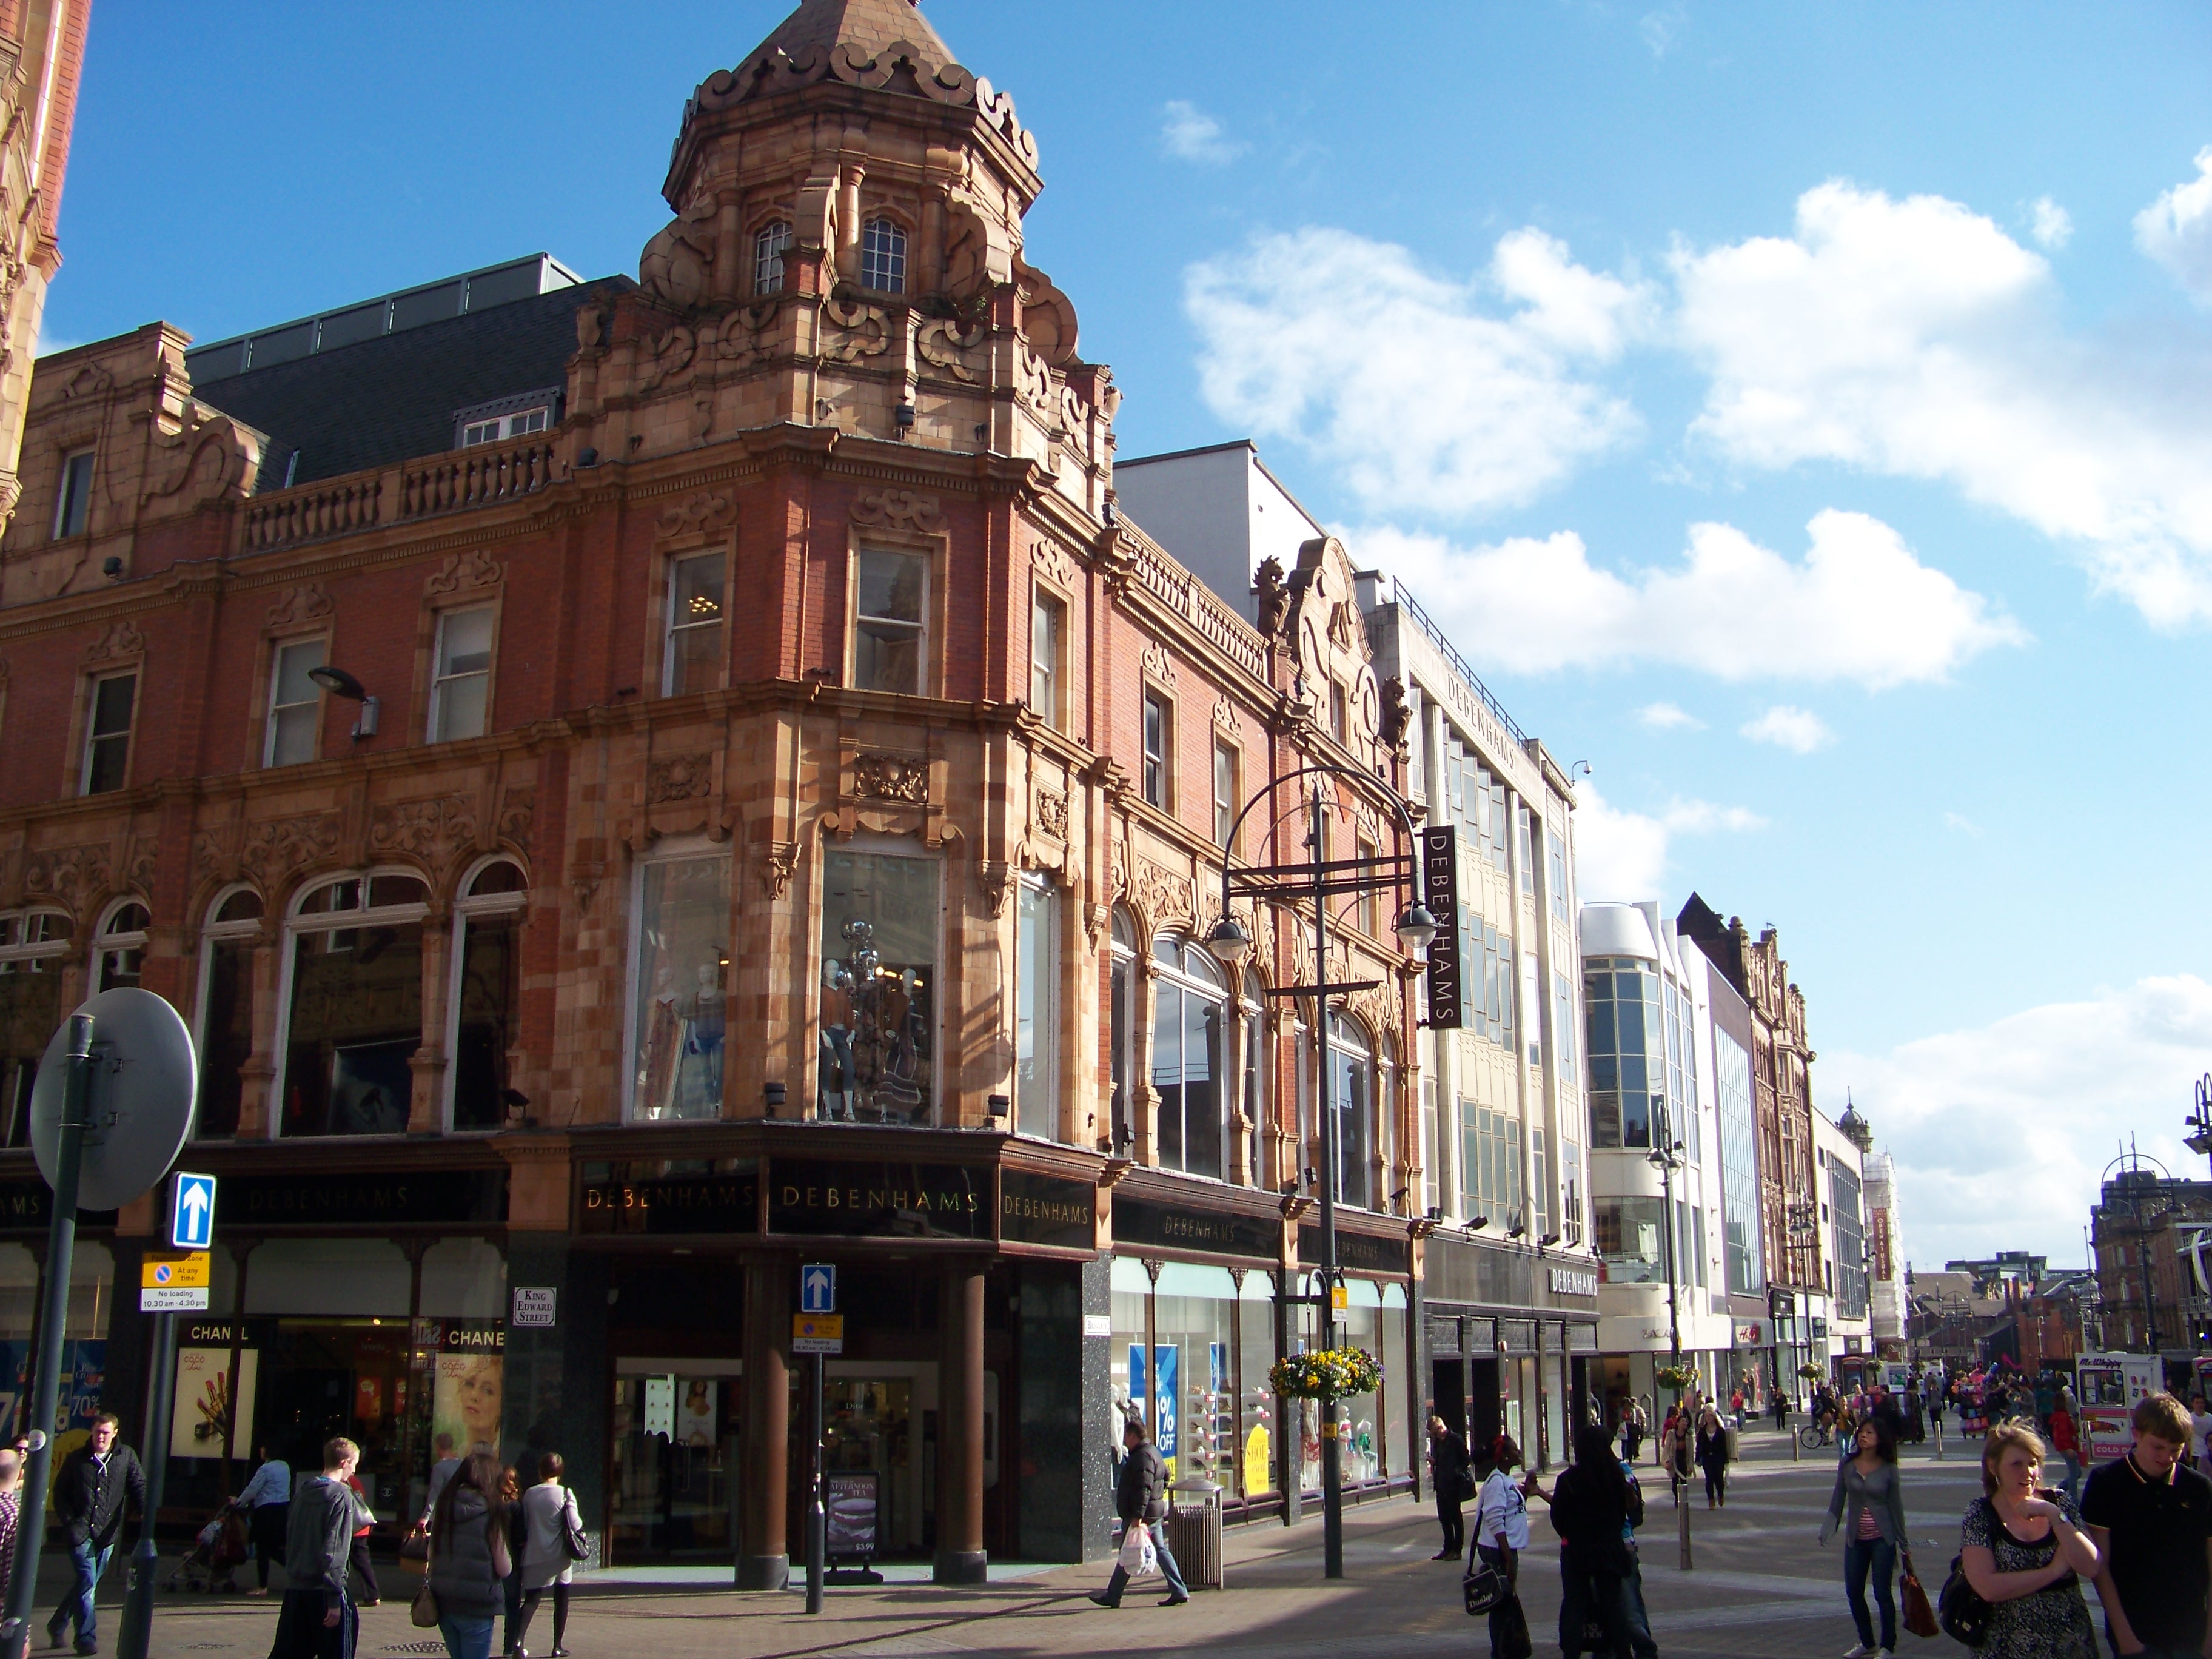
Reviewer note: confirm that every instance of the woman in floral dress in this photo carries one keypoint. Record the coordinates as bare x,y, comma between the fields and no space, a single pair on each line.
2023,1551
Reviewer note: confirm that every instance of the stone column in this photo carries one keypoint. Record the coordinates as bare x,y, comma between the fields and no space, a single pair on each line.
960,1556
765,1563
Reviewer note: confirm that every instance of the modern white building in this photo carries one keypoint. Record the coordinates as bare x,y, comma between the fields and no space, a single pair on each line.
1888,1308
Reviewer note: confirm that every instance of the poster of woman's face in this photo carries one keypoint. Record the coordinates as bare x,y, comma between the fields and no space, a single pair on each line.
465,1400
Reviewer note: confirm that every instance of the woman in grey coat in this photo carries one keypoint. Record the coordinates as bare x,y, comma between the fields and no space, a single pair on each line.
469,1557
1869,1505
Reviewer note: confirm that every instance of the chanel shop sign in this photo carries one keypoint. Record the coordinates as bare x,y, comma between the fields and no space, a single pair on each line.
1034,1209
1139,1222
879,1200
628,1198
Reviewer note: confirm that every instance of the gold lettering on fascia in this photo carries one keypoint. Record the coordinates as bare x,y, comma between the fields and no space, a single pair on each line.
476,1339
297,1201
1044,1209
719,1195
869,1198
1204,1229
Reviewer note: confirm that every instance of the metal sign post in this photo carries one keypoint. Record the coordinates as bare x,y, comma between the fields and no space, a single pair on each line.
818,1332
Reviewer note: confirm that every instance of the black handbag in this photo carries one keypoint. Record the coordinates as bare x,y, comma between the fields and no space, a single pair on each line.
1514,1641
574,1542
1964,1615
1482,1589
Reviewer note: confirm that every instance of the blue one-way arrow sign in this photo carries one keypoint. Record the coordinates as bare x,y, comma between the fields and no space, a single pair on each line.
818,1288
191,1212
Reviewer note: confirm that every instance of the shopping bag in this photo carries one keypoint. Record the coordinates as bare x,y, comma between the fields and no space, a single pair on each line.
1514,1641
1919,1616
1140,1555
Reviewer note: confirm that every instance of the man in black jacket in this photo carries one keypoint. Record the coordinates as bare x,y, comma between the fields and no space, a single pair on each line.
1141,1494
96,1482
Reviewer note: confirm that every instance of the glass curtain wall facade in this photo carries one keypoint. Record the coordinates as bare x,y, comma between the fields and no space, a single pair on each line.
1746,1274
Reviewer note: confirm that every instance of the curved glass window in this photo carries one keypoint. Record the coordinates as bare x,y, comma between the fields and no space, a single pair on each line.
353,1015
879,945
1189,1002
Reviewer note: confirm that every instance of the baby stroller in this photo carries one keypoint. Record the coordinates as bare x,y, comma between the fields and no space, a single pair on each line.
216,1553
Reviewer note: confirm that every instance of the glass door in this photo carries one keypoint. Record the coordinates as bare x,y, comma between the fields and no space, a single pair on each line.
673,1494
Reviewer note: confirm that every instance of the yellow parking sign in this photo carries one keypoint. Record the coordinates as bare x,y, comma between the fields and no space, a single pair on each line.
175,1270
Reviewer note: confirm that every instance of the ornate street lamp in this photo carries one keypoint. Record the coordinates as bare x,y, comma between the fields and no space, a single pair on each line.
1667,1158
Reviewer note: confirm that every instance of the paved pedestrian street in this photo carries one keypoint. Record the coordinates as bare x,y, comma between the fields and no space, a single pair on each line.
1762,1587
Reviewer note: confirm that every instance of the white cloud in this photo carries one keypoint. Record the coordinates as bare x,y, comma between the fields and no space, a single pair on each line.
1916,338
1963,824
1796,729
1661,29
1189,134
2000,1131
2054,227
2176,230
1667,717
1622,856
1423,392
1858,607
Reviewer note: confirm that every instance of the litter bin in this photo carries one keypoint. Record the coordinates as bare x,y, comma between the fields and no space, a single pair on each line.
1194,1530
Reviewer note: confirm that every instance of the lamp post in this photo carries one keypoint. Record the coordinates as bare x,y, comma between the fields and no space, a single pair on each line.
2199,1122
1667,1158
1316,879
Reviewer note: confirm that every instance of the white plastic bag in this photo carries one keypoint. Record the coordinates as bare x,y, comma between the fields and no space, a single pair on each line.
1140,1555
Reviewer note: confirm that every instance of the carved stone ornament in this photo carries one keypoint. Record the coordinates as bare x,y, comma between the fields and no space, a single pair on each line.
1050,815
1225,714
300,605
854,331
1055,564
1158,664
775,860
122,641
996,878
883,776
73,875
270,850
462,571
517,808
943,344
707,513
1274,596
899,509
1165,896
679,777
430,830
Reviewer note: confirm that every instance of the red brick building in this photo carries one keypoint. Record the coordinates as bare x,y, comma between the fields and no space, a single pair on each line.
638,785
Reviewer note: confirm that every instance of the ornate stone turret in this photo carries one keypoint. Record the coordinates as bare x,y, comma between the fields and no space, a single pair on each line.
846,253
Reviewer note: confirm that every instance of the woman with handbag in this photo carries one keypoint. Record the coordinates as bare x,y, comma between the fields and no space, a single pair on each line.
553,1541
1453,1477
2022,1551
1867,1506
1712,1448
470,1559
1501,1532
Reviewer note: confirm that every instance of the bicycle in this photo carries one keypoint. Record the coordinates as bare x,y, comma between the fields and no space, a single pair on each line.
1814,1436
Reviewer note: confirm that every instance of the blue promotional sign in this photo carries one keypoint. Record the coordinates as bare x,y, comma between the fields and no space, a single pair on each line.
818,1288
1163,1431
191,1212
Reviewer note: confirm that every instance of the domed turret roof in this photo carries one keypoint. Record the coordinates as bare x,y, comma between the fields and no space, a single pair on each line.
867,26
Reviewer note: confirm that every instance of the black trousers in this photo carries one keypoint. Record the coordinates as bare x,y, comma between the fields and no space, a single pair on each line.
357,1558
265,1526
302,1634
1447,1516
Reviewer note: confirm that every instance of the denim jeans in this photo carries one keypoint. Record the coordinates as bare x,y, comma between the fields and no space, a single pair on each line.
88,1564
1635,1619
1879,1554
2072,1481
1169,1570
466,1638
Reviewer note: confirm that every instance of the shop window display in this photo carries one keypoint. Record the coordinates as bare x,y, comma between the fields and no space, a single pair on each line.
1195,1319
682,964
876,1060
676,1447
355,1013
83,1358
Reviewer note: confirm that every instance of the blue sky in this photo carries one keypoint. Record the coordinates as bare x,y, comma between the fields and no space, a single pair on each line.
1800,413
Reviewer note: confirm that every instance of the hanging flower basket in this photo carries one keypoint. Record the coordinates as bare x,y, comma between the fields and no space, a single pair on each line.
1676,1376
1811,1373
1330,1374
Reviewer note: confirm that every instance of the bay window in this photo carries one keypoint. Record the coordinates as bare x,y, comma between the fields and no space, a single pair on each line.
877,1052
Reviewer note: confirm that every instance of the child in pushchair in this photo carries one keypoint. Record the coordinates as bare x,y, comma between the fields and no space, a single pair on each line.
216,1555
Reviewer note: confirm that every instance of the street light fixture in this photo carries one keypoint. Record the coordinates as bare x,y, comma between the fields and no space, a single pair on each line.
2199,1122
1316,878
1668,1158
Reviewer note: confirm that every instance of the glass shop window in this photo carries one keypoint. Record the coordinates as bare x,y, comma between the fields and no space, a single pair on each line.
488,990
1189,1004
1036,1009
355,1018
876,1054
226,1009
682,964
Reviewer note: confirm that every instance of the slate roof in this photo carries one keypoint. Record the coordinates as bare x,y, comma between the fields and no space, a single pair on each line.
868,25
392,398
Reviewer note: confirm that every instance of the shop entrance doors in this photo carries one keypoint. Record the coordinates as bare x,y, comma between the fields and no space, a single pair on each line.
673,1494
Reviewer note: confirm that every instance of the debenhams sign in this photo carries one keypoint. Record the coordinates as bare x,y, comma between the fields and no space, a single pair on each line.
1566,1281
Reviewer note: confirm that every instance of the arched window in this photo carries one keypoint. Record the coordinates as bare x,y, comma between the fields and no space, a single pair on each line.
1122,1028
770,244
1351,1101
121,951
226,1010
487,985
31,945
353,1011
1189,1003
883,257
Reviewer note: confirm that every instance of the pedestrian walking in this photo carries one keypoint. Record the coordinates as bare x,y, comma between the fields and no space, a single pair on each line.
1678,1451
2023,1551
358,1558
1867,1506
2149,1516
1140,1494
469,1556
1595,1507
267,1501
548,1512
1453,1477
11,1498
1713,1456
96,1482
1501,1532
2066,1440
444,1462
318,1619
2200,1426
510,1499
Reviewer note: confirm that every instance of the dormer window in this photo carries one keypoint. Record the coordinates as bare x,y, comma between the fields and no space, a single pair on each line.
506,418
518,425
770,244
883,257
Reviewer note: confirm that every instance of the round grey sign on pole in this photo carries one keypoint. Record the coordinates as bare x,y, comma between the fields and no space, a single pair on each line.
145,1081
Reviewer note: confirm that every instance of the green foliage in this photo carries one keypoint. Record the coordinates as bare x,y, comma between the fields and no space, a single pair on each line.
1329,1374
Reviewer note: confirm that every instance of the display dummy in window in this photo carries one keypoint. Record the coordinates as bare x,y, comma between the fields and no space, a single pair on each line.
878,975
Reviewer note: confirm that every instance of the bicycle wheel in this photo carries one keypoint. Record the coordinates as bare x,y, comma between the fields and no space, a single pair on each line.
1811,1438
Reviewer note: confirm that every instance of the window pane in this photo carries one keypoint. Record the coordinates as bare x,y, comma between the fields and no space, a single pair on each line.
106,764
694,622
695,590
1044,659
769,249
879,922
1121,1000
461,707
892,586
883,257
1167,1071
695,659
683,955
293,733
490,980
465,642
111,704
887,659
1036,961
293,662
226,1036
1201,1085
357,1022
